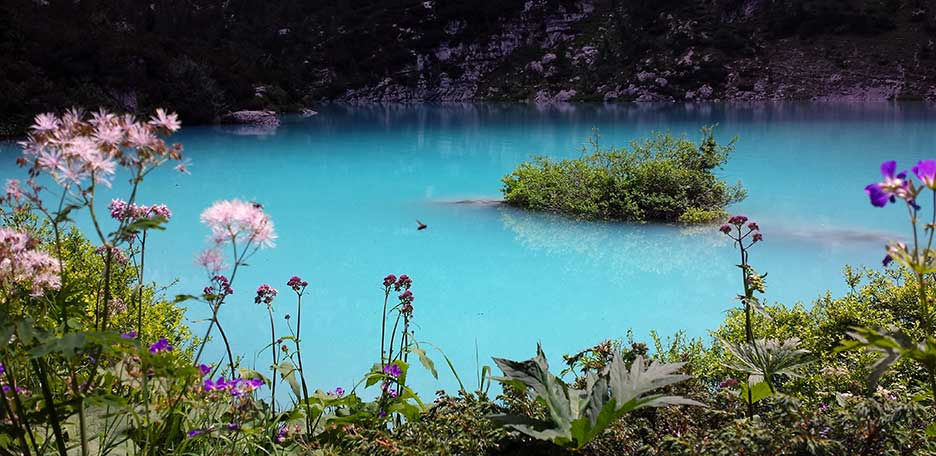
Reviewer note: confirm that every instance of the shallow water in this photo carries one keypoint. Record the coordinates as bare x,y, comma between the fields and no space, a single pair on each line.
345,188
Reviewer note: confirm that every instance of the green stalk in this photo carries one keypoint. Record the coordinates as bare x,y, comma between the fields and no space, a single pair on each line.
53,415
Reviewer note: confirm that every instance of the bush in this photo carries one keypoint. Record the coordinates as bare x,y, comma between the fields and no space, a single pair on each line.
662,178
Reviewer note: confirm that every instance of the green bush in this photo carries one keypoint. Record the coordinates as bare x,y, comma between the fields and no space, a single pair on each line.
662,178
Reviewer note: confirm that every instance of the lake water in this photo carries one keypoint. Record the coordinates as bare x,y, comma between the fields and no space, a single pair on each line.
345,188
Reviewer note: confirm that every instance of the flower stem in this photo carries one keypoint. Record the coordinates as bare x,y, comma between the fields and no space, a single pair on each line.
383,327
140,284
273,349
305,389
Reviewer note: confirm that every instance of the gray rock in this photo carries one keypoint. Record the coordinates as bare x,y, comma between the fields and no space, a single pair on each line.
265,118
644,76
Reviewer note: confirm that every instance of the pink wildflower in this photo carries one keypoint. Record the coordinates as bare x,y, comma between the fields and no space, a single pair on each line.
22,264
239,221
211,259
45,122
265,294
168,122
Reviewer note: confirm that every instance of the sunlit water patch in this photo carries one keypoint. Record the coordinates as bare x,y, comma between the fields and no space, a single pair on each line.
345,189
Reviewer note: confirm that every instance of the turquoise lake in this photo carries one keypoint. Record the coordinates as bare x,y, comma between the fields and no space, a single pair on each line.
345,188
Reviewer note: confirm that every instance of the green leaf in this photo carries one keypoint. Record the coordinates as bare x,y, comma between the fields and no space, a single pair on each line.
62,216
759,392
931,430
767,358
577,416
426,362
288,373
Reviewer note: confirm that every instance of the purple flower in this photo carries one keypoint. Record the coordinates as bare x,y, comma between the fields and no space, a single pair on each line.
393,370
281,435
895,250
758,237
194,432
160,345
925,170
389,281
406,297
339,391
204,369
892,187
403,283
233,427
729,382
725,229
209,385
297,284
737,220
2,369
265,294
753,226
129,335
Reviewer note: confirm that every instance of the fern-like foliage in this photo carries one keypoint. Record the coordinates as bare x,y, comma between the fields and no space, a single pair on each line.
576,416
763,360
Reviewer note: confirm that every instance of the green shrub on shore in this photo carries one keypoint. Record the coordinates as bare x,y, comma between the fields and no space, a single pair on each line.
662,178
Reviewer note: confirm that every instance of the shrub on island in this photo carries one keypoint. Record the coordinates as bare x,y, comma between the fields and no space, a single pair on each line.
662,178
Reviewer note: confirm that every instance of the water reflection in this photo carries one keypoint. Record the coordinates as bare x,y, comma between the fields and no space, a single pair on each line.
629,249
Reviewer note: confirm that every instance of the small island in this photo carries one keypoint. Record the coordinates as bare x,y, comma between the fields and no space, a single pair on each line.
662,178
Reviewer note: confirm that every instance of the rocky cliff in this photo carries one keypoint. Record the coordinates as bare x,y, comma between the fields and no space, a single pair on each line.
590,50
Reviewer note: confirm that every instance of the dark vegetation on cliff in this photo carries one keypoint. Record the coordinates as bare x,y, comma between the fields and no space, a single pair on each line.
204,58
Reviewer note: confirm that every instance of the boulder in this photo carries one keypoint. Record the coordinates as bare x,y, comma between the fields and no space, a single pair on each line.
267,118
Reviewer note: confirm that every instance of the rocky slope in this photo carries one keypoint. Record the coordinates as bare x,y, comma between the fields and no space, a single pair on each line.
676,51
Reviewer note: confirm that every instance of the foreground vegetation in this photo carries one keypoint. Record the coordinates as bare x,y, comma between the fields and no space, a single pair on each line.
663,178
95,361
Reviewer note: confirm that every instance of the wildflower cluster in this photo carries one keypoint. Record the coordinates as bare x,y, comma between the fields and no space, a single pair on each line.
297,284
392,370
265,294
81,151
7,389
729,383
286,431
735,229
117,254
237,387
122,211
219,288
896,186
240,222
160,346
22,264
403,283
393,373
212,260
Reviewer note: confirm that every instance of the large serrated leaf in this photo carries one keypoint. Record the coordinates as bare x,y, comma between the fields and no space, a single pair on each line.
577,416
